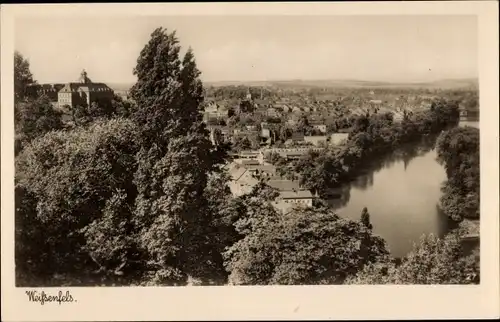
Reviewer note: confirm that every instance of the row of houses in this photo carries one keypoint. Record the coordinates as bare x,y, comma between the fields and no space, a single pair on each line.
398,113
245,175
222,109
468,113
289,153
317,140
265,130
249,158
315,111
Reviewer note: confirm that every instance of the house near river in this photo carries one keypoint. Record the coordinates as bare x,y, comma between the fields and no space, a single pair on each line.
247,175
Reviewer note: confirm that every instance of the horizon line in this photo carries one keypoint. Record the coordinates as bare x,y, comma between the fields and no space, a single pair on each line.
470,78
346,80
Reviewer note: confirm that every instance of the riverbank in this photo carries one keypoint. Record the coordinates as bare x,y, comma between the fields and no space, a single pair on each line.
458,151
402,196
372,138
469,230
359,174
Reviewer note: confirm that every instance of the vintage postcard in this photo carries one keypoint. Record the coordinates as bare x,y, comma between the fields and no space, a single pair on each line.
250,161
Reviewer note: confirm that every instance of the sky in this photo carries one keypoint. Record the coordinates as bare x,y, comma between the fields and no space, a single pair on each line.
257,48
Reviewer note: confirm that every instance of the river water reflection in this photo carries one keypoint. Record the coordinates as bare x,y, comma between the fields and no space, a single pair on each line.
402,194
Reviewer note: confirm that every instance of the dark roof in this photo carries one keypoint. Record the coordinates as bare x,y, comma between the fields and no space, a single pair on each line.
284,185
316,122
316,137
247,152
249,162
297,136
236,174
89,87
302,194
213,127
262,102
45,87
261,167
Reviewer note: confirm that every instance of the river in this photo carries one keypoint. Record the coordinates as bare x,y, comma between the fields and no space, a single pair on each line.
402,194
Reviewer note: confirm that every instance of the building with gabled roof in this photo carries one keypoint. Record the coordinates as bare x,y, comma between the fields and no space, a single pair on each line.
318,125
316,140
283,184
295,195
249,162
216,130
242,181
287,200
291,153
211,106
84,92
338,138
297,136
49,90
262,103
398,116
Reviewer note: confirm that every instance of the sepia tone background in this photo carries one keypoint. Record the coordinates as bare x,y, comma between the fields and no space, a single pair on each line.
271,302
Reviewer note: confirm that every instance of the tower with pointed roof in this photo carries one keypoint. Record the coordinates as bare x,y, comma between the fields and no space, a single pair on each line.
84,92
249,95
84,78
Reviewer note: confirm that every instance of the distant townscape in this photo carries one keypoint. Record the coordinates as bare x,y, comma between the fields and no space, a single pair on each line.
173,182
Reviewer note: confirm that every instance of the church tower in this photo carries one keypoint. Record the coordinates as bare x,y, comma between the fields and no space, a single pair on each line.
249,96
83,78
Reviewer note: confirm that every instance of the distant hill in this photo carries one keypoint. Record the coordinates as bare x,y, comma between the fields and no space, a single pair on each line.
347,83
120,87
444,84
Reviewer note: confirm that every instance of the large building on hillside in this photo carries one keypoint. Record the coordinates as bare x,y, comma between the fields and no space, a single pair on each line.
84,92
49,90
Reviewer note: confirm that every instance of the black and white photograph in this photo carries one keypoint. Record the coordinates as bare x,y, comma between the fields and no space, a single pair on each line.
202,150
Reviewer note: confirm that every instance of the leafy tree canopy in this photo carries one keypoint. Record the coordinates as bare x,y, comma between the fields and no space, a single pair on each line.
306,246
432,261
22,76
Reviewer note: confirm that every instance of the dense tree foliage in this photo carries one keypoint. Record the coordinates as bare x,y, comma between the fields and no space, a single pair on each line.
135,193
33,116
247,142
78,186
130,197
371,136
458,151
365,218
84,114
275,159
22,76
432,261
175,160
307,246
